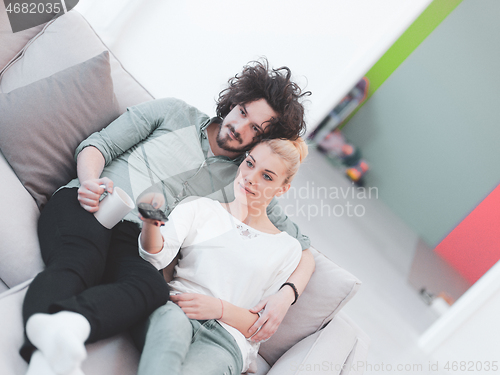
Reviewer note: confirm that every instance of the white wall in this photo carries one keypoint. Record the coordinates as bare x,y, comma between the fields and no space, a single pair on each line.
188,49
470,330
478,339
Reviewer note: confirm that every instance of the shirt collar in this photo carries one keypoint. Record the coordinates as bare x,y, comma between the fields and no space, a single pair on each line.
204,126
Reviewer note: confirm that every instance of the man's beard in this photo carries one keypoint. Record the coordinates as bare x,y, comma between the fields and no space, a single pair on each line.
223,142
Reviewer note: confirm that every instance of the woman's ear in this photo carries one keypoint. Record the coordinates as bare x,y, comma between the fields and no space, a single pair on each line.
282,190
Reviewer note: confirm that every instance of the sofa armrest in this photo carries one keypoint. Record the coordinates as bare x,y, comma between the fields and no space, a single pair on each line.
20,258
11,326
356,362
338,348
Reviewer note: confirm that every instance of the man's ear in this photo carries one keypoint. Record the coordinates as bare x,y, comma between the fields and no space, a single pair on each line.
282,190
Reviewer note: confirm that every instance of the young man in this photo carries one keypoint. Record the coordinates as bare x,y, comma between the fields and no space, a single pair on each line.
95,284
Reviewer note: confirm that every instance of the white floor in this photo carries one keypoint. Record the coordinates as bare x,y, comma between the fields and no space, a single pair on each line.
377,248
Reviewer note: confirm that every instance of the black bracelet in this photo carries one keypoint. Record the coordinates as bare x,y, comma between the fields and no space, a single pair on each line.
292,285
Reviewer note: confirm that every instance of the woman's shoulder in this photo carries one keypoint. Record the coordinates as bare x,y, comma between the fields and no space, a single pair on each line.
285,240
284,247
293,249
292,242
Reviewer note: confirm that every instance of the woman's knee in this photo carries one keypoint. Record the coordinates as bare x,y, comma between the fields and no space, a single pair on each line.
169,319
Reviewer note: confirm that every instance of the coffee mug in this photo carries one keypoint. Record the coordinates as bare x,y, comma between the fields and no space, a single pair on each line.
114,207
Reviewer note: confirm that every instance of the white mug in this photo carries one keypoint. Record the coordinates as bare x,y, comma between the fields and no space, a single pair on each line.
114,207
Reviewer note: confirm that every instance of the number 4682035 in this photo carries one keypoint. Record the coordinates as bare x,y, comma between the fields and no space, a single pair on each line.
33,8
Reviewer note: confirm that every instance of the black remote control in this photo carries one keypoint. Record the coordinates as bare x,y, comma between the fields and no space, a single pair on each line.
149,212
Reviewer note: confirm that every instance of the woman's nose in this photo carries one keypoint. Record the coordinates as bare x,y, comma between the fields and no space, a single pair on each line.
249,178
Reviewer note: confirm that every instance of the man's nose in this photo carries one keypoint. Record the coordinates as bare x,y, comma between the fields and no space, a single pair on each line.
242,126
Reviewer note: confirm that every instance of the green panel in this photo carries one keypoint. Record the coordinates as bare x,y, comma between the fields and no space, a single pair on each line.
430,18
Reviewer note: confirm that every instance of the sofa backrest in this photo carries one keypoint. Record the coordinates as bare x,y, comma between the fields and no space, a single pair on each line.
67,41
11,43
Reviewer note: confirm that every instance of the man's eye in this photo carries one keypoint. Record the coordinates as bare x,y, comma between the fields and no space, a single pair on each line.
256,129
242,112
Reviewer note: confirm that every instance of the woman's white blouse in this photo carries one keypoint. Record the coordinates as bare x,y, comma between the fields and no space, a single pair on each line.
224,258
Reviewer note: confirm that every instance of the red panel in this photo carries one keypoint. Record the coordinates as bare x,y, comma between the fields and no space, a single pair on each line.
473,247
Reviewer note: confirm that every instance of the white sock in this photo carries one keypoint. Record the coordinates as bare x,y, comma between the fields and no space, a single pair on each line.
77,371
61,339
39,365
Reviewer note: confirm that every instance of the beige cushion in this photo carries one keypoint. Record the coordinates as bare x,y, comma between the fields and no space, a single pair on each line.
43,123
12,43
329,289
20,258
66,42
114,356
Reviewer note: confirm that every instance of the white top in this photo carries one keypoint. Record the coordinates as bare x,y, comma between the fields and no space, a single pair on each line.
224,258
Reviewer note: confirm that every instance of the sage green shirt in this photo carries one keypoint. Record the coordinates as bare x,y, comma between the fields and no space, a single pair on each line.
161,146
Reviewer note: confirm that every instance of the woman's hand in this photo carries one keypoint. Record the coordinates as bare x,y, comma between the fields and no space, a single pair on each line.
151,237
275,308
198,306
157,200
90,192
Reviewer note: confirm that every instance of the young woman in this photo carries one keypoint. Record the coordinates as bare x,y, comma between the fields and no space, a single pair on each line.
231,256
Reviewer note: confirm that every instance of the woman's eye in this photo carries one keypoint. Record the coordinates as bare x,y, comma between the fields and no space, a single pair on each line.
242,112
267,177
249,163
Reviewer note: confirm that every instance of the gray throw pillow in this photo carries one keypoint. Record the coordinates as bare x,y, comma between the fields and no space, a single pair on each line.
42,124
329,289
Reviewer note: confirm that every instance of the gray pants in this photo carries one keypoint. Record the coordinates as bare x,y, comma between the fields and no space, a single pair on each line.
175,344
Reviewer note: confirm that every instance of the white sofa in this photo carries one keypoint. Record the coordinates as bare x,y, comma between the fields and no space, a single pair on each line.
315,337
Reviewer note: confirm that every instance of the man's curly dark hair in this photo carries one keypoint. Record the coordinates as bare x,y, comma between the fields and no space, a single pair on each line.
258,81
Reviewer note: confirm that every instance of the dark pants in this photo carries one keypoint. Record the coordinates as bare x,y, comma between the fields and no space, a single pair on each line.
91,270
